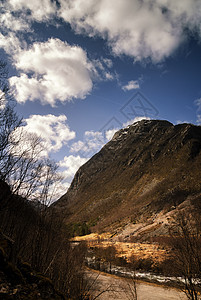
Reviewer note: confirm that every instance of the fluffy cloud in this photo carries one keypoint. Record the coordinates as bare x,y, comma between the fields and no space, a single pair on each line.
131,85
54,71
38,10
182,122
110,133
198,104
51,70
102,69
93,141
16,17
9,22
52,129
198,121
198,116
71,164
141,29
10,42
67,169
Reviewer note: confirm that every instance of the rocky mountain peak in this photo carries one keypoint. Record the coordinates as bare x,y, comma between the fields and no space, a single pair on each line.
150,155
141,127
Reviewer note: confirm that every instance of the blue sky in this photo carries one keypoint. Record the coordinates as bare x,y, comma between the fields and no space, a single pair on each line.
80,70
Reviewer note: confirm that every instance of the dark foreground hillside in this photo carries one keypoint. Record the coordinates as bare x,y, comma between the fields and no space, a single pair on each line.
149,167
19,281
36,259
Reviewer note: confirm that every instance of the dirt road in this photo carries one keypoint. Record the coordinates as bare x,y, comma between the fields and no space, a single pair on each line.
113,287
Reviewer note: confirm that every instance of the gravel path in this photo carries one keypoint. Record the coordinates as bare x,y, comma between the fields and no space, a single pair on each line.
119,288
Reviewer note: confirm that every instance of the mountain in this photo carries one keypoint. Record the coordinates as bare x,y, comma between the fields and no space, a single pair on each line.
146,172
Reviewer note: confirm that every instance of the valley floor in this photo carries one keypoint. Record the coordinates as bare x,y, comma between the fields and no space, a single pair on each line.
125,249
114,288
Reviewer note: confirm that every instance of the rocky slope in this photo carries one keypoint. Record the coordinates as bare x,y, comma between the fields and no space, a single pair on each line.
143,174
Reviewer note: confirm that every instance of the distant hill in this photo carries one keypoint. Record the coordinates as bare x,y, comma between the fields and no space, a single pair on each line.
146,171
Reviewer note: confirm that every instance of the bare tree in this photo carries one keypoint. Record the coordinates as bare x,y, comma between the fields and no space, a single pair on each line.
22,161
186,244
106,255
33,176
25,173
129,287
9,121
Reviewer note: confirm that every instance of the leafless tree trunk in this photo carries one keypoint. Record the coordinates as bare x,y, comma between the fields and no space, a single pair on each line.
186,244
38,235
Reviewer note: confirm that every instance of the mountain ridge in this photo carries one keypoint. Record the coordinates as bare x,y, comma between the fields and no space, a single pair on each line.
147,167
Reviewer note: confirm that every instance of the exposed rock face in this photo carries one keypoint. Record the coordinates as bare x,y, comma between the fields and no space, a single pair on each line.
148,167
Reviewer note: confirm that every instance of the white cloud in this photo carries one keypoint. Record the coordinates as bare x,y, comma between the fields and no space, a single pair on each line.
110,133
198,115
12,23
136,119
131,85
92,142
198,104
52,129
93,134
140,29
71,164
68,167
9,42
101,69
51,70
54,71
60,191
109,76
108,62
17,16
78,146
181,122
198,121
38,10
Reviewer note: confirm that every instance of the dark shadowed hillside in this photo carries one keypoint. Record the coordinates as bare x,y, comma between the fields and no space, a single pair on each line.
36,259
147,168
